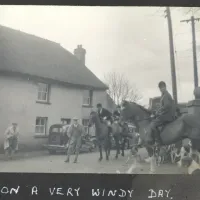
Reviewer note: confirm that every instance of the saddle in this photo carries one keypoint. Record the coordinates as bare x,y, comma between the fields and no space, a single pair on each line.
162,127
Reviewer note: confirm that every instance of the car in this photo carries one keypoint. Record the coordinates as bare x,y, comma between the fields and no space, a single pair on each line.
58,140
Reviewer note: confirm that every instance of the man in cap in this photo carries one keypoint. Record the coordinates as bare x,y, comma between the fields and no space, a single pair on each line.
103,113
75,132
166,111
117,113
11,140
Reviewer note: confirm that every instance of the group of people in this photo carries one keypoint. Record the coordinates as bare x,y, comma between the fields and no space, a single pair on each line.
76,131
166,113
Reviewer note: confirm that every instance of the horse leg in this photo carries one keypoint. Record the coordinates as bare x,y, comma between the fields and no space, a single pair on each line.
100,150
7,153
107,149
123,146
133,166
117,146
195,151
150,154
152,165
109,145
152,160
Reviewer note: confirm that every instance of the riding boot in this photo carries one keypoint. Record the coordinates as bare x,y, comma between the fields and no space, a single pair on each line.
68,156
67,160
76,157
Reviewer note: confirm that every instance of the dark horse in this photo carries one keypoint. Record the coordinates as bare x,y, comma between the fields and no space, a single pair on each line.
102,134
186,126
120,135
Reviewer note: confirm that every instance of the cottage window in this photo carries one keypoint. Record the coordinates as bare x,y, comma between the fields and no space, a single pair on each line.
85,123
40,125
43,92
87,97
66,121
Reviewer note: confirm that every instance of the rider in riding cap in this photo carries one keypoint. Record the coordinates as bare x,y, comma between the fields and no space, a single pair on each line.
166,111
104,114
117,113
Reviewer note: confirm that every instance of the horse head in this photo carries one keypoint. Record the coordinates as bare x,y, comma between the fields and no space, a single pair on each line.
133,111
93,118
138,115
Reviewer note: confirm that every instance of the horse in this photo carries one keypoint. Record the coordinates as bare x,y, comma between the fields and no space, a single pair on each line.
102,134
185,126
120,135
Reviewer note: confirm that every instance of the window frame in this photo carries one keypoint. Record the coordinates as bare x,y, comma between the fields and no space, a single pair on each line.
45,126
89,98
47,93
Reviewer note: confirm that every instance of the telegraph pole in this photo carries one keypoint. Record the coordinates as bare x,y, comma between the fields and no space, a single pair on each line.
192,20
172,59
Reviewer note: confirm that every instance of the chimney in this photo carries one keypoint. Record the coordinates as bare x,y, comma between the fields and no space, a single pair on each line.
80,52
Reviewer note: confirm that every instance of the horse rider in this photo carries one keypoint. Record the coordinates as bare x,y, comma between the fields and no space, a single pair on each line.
165,113
76,131
104,114
117,113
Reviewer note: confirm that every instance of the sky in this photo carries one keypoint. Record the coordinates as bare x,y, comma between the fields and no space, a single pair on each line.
130,40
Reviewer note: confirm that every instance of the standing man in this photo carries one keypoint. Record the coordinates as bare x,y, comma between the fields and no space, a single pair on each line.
11,140
75,132
166,111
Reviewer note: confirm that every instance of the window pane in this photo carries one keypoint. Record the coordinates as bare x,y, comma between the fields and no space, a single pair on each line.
45,88
44,96
42,87
37,129
86,101
37,121
42,129
42,121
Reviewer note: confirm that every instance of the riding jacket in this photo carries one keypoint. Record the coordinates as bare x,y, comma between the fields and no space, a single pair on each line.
116,114
105,114
167,109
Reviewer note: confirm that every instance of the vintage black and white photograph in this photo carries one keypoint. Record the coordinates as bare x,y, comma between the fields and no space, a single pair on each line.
99,89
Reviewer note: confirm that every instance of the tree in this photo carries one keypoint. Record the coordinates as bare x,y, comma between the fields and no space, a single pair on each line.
120,88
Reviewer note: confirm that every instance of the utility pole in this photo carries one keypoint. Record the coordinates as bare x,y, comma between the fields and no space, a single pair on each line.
172,59
192,20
